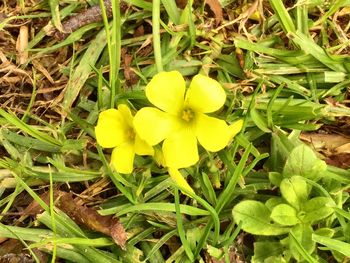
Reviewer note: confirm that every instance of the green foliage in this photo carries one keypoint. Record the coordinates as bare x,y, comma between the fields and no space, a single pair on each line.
294,191
285,215
300,212
285,74
255,218
303,162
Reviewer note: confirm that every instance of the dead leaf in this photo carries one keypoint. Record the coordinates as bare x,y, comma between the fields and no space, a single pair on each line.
16,258
82,215
181,3
90,218
22,45
139,31
245,13
334,147
216,8
11,246
43,70
345,148
34,208
88,16
129,74
344,11
13,251
326,141
3,16
341,160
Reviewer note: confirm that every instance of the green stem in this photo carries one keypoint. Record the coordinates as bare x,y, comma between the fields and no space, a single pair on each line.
156,34
116,47
180,227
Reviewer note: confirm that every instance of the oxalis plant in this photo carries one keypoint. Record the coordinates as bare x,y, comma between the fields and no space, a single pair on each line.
302,215
179,121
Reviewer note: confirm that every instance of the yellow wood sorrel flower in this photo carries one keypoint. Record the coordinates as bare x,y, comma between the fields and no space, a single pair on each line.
180,117
173,172
115,129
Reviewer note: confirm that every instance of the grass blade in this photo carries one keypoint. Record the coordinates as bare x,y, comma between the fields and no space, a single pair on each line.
333,244
83,70
283,16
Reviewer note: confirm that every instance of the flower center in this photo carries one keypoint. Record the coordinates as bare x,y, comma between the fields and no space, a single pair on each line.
130,134
187,115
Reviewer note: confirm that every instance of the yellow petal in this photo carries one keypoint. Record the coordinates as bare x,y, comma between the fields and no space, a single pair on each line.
122,158
126,113
166,90
159,156
142,147
180,150
153,125
205,94
110,129
235,128
212,133
179,179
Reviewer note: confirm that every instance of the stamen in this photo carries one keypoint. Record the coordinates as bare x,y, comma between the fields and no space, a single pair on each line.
131,134
187,115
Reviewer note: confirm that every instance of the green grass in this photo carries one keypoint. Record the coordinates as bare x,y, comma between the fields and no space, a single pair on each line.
285,76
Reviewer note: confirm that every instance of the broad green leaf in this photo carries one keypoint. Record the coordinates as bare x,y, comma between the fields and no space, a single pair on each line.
264,250
285,215
275,178
326,232
304,162
255,218
273,202
333,244
316,209
302,234
294,190
259,120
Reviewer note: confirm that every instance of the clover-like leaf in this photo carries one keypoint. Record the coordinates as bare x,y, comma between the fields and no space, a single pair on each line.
284,214
294,190
304,162
272,202
255,218
316,209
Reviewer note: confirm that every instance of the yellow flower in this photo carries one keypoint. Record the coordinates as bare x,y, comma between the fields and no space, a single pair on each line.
180,117
179,179
174,173
115,129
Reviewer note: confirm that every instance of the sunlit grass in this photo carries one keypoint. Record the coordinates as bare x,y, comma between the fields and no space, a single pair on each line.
283,76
